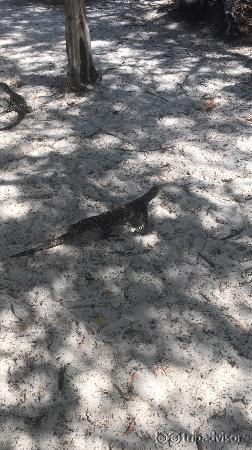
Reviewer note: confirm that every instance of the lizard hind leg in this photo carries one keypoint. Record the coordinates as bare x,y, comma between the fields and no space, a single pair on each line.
136,219
145,220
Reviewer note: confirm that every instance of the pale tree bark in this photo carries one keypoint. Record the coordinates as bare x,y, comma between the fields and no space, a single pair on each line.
81,69
232,22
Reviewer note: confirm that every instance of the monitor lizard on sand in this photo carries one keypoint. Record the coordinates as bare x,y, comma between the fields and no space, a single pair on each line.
105,221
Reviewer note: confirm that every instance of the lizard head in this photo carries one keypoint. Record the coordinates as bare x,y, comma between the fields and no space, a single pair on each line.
156,188
154,191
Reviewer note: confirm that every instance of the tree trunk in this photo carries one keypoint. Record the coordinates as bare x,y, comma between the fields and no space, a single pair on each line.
229,7
81,69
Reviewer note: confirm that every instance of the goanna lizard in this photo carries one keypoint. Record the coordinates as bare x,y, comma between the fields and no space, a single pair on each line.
121,215
17,103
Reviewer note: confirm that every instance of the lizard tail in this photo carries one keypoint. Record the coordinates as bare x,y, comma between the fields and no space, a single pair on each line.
44,246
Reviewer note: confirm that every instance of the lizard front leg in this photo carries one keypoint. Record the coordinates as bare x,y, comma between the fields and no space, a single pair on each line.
141,229
145,216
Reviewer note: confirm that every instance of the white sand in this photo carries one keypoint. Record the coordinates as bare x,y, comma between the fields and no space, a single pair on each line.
147,309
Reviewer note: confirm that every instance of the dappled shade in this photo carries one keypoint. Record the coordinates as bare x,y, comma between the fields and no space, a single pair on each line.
104,342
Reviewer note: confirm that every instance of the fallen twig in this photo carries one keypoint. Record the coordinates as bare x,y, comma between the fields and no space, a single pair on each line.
205,297
13,312
232,234
208,261
156,95
89,136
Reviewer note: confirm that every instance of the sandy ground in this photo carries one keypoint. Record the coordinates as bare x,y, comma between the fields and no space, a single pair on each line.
106,343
